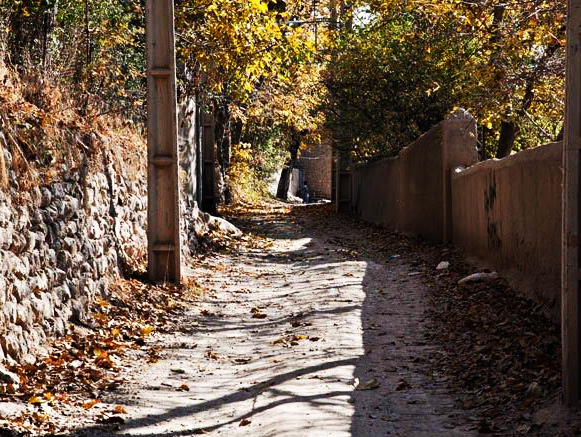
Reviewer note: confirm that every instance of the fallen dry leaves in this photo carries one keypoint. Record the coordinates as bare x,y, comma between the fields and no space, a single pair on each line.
87,363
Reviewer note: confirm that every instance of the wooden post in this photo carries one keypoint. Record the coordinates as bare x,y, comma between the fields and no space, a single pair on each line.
163,213
571,273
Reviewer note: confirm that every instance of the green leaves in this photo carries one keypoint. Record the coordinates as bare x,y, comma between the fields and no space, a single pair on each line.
396,77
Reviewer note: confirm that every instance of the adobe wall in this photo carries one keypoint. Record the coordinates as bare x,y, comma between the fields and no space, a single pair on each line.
411,192
508,213
316,164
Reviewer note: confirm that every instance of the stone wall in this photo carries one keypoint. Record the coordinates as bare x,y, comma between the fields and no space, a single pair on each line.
61,243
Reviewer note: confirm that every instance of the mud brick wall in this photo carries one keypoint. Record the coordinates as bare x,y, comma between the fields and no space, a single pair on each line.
504,213
508,213
411,192
316,165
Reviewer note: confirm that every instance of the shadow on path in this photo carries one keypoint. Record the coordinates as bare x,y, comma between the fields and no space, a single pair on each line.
364,373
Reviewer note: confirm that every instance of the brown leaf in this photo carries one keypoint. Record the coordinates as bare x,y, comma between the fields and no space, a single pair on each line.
119,409
87,405
244,422
212,355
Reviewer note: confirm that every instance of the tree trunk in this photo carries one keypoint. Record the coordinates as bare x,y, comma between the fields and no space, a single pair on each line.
287,171
284,182
224,145
509,131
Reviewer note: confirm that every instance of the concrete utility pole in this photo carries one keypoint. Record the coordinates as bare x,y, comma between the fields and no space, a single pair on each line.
571,267
163,212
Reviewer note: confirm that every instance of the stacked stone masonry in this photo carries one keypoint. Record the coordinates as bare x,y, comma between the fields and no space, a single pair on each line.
59,246
62,243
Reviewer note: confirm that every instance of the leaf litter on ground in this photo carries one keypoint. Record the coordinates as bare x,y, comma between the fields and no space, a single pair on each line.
78,370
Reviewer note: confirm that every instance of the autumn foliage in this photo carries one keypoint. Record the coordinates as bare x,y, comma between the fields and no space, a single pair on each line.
407,64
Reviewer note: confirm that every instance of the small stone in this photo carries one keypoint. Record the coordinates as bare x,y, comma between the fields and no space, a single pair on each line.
29,359
9,311
372,384
20,289
444,265
8,377
478,277
23,315
48,310
46,197
59,327
5,215
94,230
6,237
22,218
58,191
70,244
64,260
38,283
101,265
72,229
37,307
18,244
11,346
3,292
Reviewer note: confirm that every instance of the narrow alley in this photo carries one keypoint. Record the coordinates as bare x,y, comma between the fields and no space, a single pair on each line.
322,327
305,338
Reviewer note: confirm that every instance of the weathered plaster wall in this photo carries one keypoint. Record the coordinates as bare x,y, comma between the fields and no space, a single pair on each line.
411,192
316,165
508,213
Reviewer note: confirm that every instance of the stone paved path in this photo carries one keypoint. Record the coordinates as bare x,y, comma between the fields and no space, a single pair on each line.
306,338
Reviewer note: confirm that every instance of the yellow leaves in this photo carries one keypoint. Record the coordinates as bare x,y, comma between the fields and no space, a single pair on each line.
259,6
146,330
119,409
238,45
36,400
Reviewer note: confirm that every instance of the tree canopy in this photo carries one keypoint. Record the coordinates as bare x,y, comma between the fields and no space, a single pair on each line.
414,61
372,75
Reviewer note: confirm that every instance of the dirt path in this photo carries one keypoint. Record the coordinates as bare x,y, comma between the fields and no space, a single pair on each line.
307,337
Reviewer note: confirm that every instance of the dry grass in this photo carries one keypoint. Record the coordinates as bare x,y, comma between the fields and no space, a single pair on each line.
43,128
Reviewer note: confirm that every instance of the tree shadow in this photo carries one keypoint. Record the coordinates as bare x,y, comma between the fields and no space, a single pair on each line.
407,398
